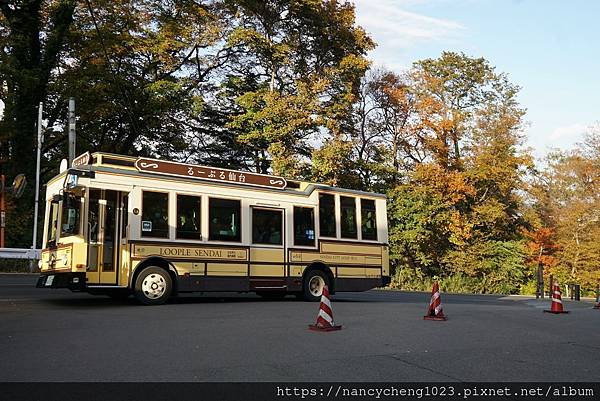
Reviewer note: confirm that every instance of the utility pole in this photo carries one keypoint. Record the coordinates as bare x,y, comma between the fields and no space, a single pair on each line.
2,211
40,141
71,130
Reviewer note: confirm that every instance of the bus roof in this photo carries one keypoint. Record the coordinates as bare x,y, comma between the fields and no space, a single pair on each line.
184,172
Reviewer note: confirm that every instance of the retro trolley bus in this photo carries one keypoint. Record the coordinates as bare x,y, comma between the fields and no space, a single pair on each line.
118,225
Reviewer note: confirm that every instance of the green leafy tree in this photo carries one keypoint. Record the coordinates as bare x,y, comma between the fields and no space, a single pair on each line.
301,62
32,37
133,68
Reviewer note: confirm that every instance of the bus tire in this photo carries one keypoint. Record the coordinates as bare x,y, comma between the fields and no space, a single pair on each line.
312,286
153,286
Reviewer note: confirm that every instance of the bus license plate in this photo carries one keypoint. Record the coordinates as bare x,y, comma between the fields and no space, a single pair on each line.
49,281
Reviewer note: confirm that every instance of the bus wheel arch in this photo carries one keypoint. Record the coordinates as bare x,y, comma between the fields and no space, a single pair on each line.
316,275
159,266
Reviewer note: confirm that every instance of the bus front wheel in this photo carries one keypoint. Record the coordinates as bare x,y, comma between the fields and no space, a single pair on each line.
153,286
314,282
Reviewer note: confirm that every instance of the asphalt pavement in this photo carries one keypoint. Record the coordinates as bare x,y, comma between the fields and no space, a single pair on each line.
56,335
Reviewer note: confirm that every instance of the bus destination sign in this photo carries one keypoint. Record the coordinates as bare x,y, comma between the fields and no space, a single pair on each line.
209,173
81,160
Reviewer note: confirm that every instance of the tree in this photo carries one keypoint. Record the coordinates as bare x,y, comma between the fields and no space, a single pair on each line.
32,36
465,130
566,198
250,85
456,93
136,70
301,62
385,146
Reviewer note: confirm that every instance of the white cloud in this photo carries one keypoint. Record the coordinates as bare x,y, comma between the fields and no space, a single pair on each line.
386,18
569,132
395,29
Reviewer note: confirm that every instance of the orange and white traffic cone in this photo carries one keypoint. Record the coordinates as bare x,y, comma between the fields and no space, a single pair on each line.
435,312
325,316
557,306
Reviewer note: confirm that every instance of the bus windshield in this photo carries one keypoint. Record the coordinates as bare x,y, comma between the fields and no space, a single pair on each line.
71,207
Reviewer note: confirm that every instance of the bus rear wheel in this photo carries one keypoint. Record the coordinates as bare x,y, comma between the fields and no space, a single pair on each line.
314,282
153,286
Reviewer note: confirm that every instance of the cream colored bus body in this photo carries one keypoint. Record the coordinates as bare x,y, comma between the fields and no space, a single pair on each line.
349,261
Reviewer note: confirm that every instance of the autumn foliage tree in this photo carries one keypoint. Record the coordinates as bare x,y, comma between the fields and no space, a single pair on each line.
566,198
285,87
456,207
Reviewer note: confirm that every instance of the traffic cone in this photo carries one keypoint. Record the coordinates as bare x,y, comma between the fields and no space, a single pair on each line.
325,316
435,312
557,306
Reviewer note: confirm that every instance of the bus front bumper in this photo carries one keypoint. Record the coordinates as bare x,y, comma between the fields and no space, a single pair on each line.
72,281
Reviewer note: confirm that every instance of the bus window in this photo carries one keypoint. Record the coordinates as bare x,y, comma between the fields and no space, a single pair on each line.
188,217
53,217
224,220
304,226
155,214
71,215
369,222
266,226
348,217
327,215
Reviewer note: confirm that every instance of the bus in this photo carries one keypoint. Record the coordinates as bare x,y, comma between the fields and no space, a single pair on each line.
120,225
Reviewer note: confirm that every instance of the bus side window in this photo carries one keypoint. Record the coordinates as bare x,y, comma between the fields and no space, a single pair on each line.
224,220
155,214
188,217
304,226
327,215
348,217
369,220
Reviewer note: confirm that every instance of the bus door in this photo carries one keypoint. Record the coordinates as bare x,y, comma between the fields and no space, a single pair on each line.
105,235
267,255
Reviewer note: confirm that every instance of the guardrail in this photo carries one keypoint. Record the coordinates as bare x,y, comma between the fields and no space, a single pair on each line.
20,253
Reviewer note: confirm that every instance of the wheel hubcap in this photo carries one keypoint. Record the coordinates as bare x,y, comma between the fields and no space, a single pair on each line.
154,286
316,285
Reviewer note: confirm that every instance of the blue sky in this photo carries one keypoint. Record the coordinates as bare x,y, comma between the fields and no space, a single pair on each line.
550,48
